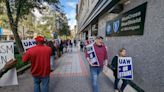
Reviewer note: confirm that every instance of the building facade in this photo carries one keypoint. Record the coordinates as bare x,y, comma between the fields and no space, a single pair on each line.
141,34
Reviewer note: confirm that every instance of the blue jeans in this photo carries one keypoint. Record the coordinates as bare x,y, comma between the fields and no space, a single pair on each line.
52,62
95,71
41,80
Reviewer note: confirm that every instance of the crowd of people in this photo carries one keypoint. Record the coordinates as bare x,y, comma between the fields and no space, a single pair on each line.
58,48
43,55
61,46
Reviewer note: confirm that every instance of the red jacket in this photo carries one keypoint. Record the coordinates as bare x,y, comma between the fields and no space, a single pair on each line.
39,56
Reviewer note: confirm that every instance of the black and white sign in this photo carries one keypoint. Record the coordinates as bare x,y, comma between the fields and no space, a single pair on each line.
125,68
92,54
7,53
28,44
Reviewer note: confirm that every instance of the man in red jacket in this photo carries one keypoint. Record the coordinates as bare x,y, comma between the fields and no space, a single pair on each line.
96,69
39,57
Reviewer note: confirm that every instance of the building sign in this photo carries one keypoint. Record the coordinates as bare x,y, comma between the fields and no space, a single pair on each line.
129,23
7,53
28,44
92,54
125,68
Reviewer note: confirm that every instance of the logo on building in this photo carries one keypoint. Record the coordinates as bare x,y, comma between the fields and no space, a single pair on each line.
128,23
116,26
109,29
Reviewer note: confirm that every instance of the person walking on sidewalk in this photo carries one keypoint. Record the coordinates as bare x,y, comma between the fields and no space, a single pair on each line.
81,45
101,54
52,59
39,57
114,65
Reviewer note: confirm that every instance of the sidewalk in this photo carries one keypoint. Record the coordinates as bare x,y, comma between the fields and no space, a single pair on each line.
71,75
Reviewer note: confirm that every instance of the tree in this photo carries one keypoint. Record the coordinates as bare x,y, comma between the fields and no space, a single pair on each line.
16,10
64,30
4,23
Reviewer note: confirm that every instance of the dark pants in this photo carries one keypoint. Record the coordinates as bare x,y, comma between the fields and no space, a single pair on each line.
125,82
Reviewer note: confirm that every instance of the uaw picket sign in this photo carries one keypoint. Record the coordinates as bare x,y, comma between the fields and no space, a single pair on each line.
28,44
7,53
92,54
125,68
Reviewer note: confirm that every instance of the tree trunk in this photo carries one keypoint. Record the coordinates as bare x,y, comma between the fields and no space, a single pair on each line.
18,40
14,28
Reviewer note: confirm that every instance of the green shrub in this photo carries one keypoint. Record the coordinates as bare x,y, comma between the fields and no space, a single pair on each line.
19,64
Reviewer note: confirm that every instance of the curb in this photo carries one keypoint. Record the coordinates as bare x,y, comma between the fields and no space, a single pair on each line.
131,86
21,70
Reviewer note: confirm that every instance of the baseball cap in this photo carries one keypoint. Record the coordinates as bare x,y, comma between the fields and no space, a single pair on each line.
99,37
39,39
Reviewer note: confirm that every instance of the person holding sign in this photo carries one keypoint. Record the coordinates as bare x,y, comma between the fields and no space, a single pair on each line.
96,55
39,57
114,65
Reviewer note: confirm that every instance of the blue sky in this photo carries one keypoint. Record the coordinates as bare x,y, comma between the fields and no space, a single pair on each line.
70,10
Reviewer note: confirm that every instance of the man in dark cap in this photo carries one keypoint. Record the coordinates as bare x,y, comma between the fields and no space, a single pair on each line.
99,37
39,57
96,68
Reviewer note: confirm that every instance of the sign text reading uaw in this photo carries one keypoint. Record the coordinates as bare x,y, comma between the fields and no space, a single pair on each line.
28,44
125,68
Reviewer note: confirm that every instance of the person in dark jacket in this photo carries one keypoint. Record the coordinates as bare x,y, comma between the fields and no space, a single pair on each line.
52,59
114,65
81,45
61,47
74,42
